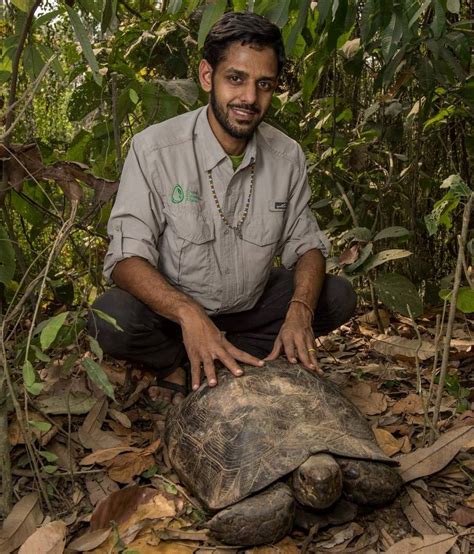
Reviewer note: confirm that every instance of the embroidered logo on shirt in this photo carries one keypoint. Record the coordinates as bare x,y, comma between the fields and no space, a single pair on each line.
178,195
280,206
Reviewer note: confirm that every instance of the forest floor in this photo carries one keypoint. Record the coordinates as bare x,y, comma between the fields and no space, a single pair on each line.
111,488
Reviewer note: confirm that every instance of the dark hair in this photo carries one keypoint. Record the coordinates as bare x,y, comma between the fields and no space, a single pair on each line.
245,28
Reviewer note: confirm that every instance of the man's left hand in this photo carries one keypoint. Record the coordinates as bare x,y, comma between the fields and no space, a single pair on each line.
296,340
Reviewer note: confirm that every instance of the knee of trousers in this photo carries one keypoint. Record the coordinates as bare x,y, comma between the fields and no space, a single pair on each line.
121,306
346,300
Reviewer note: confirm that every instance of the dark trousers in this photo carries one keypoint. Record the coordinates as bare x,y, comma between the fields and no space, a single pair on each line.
155,342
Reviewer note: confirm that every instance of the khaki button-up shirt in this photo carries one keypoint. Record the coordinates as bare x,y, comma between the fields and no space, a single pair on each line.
165,212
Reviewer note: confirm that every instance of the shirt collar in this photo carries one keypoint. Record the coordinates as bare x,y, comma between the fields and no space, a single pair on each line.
212,151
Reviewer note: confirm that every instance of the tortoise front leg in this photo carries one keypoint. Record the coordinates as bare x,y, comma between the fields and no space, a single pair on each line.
265,517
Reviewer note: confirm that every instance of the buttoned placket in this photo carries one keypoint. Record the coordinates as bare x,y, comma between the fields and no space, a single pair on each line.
232,189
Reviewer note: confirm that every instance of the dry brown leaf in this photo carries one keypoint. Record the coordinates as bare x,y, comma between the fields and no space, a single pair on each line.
285,546
95,417
387,442
411,404
430,544
98,440
124,467
426,461
120,506
368,402
419,515
339,536
100,487
371,319
64,459
398,346
20,523
469,501
349,256
89,541
464,516
101,456
16,437
406,445
120,418
49,539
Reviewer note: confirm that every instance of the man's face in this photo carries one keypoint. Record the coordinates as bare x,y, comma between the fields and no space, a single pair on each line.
241,88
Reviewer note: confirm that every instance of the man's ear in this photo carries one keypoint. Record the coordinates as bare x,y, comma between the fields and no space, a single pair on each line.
205,75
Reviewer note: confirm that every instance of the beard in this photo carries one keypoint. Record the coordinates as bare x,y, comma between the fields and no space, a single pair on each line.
244,129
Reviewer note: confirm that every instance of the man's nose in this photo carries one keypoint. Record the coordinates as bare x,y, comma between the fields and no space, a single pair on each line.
249,93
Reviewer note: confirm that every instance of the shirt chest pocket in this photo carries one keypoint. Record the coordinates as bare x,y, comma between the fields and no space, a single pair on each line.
191,238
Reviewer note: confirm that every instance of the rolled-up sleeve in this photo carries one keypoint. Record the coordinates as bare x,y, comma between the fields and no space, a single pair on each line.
301,231
136,220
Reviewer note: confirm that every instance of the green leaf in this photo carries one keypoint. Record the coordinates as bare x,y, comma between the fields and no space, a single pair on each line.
49,456
23,5
359,233
391,37
298,26
50,468
98,377
211,14
7,257
170,488
40,355
45,18
184,89
385,256
465,300
51,329
35,388
275,10
453,6
439,19
108,319
392,232
95,348
396,292
83,39
419,12
29,375
457,186
42,426
109,11
363,255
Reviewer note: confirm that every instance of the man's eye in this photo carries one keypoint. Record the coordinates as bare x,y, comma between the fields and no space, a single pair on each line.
234,79
265,85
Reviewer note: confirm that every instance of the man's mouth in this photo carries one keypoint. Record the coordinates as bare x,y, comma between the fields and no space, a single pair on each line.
244,113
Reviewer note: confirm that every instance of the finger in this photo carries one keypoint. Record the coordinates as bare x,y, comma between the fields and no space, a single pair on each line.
289,348
230,364
303,353
210,371
242,356
276,350
311,346
195,373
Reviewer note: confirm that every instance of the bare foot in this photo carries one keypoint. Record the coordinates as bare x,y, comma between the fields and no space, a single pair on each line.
178,377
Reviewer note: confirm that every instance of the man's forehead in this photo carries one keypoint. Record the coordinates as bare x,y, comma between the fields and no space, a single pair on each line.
238,56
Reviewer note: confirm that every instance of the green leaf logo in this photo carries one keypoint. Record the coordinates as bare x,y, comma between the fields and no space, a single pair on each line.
178,195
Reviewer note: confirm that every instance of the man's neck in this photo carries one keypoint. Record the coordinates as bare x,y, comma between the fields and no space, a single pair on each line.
232,146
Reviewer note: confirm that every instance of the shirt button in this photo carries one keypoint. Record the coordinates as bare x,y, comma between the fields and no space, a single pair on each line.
226,232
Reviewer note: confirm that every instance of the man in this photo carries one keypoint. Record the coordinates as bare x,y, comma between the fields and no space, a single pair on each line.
206,201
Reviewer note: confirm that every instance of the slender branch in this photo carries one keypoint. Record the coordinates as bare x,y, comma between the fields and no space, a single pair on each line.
116,122
452,310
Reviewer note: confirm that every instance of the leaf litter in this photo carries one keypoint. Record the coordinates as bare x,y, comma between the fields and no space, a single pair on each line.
116,491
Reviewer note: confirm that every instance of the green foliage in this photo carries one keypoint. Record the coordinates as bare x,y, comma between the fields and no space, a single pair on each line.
378,92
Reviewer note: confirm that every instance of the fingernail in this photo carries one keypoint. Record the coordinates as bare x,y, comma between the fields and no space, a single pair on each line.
293,360
212,382
239,372
195,387
261,362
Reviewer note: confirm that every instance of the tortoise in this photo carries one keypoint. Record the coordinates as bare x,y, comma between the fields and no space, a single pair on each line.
248,447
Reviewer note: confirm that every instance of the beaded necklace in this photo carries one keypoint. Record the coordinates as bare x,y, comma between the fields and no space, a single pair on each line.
237,227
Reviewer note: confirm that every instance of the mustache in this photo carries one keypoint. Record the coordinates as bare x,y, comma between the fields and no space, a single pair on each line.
248,107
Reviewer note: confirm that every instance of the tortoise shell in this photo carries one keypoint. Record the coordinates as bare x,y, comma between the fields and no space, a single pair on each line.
235,439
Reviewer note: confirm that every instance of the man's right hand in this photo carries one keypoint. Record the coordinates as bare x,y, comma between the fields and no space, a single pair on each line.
205,344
